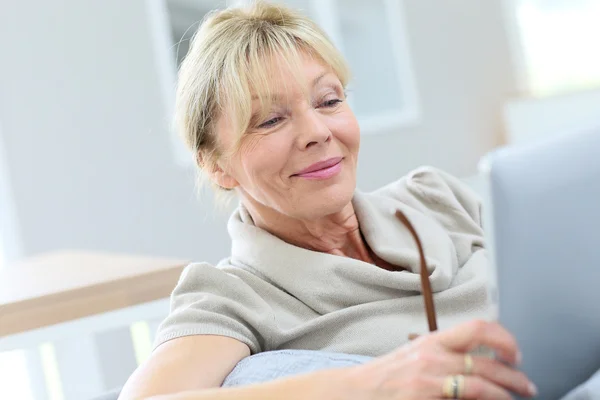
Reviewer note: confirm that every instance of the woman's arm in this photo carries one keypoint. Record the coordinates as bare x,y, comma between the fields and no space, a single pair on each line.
418,370
183,364
320,385
194,367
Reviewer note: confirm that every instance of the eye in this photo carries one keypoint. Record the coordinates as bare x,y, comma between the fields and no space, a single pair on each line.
331,103
270,123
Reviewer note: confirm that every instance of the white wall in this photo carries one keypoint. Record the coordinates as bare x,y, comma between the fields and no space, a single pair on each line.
85,134
461,59
531,119
10,247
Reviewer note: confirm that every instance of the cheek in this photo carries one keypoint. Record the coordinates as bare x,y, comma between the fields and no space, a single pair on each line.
347,131
264,157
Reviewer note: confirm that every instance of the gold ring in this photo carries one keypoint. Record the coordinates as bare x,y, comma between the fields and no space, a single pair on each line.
454,387
468,364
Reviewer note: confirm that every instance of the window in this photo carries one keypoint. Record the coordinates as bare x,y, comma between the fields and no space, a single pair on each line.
372,37
370,34
15,376
558,44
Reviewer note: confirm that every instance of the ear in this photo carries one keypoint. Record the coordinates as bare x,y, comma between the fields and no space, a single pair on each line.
223,179
217,174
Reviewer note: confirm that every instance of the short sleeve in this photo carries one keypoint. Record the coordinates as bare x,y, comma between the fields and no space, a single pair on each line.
210,301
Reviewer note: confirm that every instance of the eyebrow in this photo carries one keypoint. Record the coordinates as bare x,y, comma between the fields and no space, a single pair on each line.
278,96
318,78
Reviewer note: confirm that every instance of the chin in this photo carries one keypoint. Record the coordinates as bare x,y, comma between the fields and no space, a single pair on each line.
326,201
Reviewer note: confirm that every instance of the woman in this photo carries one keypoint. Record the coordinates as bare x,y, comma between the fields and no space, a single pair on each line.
315,264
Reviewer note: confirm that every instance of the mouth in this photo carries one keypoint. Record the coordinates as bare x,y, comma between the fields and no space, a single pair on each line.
322,169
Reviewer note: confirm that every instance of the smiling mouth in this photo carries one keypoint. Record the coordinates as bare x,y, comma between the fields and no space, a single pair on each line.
322,170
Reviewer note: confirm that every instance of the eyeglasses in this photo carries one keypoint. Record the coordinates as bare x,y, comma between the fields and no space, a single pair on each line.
425,283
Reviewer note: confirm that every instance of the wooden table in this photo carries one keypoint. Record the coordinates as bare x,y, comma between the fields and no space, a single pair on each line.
55,288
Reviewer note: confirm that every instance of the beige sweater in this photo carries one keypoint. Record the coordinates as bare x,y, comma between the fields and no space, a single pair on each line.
272,295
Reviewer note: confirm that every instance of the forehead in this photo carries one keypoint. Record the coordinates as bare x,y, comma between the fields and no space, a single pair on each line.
285,77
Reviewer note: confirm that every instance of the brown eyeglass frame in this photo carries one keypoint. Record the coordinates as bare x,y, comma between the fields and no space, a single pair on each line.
425,283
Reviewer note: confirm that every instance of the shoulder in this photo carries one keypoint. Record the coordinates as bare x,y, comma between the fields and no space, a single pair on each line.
222,278
217,300
435,190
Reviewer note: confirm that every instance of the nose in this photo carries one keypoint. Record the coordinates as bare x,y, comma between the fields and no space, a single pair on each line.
312,130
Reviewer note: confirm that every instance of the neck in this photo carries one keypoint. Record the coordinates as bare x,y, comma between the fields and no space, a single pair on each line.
337,233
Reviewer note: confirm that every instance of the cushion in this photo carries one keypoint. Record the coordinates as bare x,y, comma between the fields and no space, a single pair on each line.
270,365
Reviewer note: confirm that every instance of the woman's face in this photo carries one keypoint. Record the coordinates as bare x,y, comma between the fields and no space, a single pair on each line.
301,159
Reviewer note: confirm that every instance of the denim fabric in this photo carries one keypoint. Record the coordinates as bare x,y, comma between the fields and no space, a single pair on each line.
267,366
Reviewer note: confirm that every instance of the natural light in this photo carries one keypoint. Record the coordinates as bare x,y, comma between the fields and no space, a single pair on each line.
13,364
560,43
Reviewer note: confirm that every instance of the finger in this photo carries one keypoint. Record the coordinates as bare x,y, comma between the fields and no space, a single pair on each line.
429,362
502,375
490,370
478,388
468,336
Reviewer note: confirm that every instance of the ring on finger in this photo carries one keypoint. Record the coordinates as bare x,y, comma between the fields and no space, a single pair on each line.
468,364
454,387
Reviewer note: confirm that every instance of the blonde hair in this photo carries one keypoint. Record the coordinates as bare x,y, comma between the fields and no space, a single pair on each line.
225,66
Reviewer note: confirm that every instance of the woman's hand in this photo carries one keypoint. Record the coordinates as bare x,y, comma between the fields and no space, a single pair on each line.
419,369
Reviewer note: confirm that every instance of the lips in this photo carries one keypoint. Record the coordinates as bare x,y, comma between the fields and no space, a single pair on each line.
321,165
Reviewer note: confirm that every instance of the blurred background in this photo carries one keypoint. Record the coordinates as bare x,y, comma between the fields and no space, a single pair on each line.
88,159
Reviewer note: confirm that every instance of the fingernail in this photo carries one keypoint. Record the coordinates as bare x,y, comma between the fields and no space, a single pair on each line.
519,359
532,389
